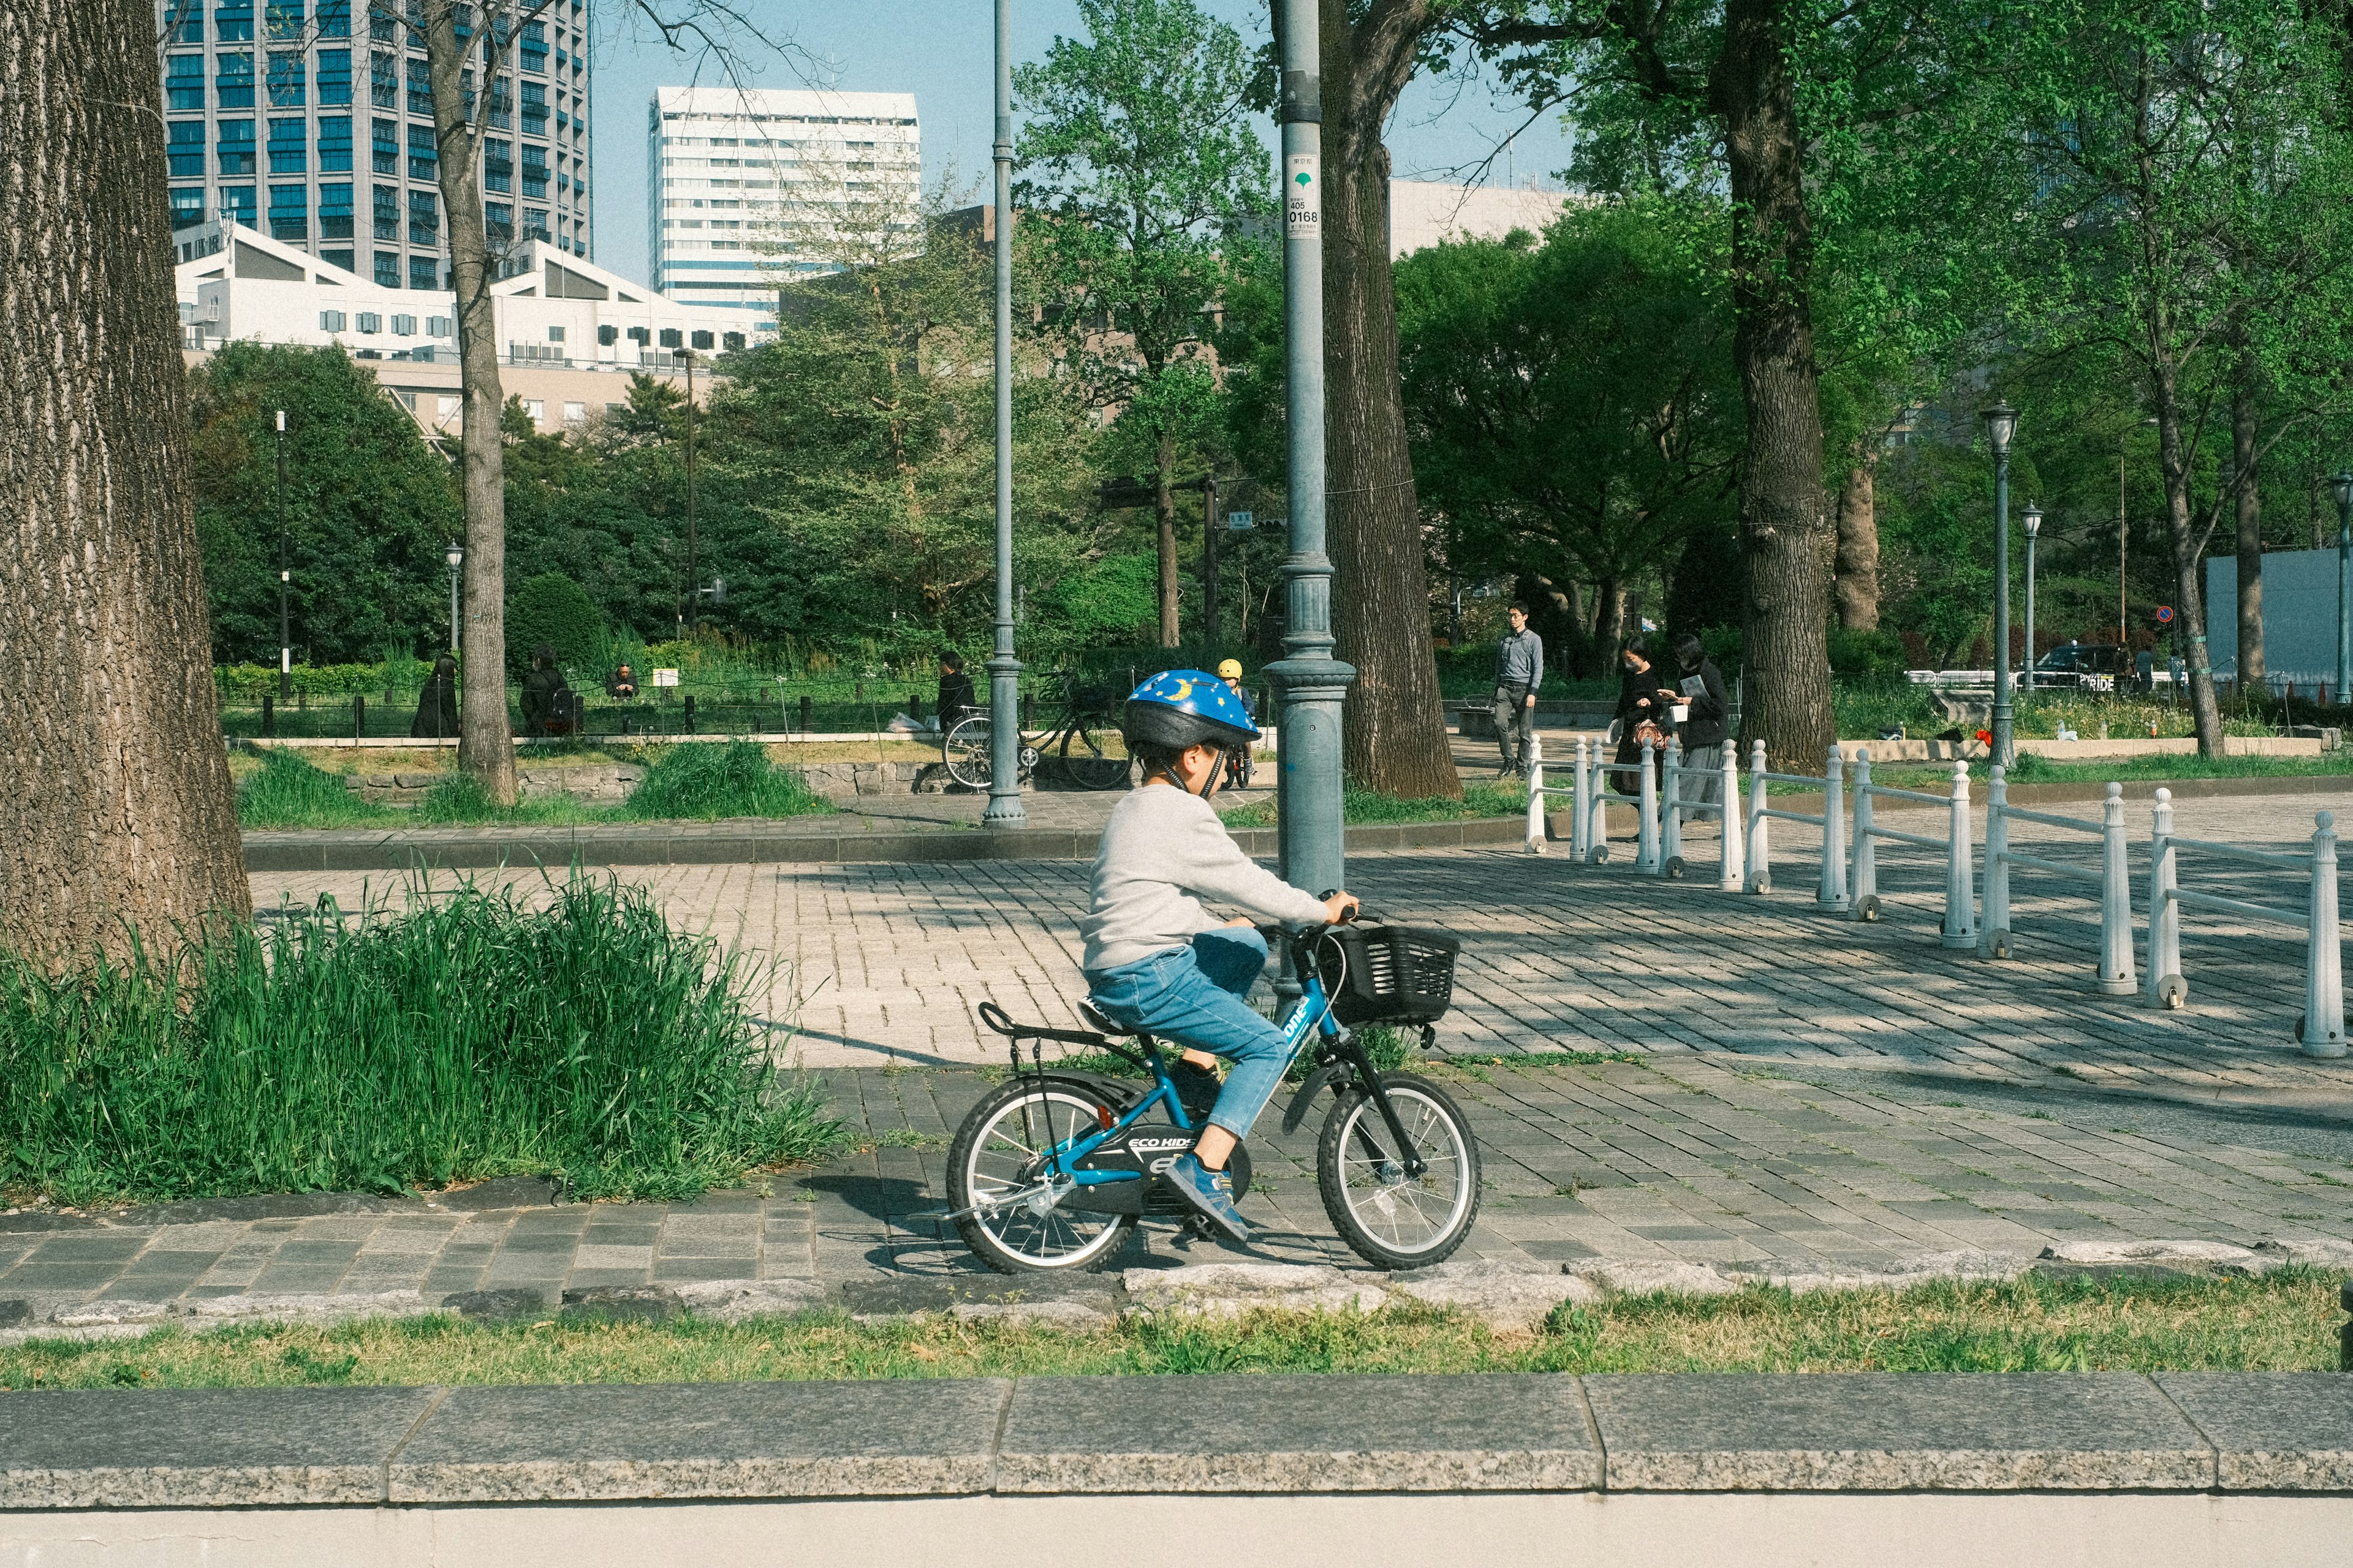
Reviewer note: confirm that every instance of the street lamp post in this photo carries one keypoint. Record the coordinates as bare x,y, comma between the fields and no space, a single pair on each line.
2033,518
456,556
1311,682
2342,486
1004,808
285,576
2001,423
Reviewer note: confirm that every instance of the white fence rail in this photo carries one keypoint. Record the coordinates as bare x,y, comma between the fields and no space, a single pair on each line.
1725,809
1961,927
1830,891
2322,1027
2113,882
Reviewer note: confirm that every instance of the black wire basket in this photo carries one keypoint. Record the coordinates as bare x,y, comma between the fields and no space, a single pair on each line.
1386,974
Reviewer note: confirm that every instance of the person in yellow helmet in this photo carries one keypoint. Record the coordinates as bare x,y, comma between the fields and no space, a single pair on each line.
1237,761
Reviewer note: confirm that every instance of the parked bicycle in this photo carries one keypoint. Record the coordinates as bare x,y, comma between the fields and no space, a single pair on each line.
1054,1170
1086,742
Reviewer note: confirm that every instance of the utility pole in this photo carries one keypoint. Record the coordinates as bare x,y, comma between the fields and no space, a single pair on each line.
694,570
285,576
1312,683
1004,808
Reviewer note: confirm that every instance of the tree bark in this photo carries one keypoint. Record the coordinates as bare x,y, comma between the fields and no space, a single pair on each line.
486,739
1857,579
1608,621
1395,738
1781,501
2250,503
1164,507
121,817
2173,458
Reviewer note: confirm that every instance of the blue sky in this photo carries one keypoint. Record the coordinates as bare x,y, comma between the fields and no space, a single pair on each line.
941,51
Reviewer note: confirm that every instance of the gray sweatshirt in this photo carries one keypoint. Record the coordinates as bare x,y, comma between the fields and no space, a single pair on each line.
1160,845
1519,660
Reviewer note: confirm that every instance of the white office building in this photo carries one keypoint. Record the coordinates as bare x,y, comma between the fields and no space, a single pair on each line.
312,122
748,188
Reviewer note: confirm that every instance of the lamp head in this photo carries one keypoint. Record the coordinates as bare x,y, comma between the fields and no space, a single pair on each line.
2034,519
455,555
2343,484
2002,424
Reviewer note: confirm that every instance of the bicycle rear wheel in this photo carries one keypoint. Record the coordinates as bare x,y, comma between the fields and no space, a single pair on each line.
1386,1216
964,749
1095,753
998,1152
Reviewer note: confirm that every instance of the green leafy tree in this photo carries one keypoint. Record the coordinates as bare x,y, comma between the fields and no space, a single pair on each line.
1142,163
369,507
554,611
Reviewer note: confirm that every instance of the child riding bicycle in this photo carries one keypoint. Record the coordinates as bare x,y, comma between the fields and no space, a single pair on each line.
1155,960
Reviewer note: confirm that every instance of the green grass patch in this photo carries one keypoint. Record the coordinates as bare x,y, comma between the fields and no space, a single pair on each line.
287,791
705,783
1360,806
472,1035
701,782
2281,1321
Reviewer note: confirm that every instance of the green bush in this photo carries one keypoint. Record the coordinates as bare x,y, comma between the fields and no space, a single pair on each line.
705,781
472,1035
552,608
1865,656
289,792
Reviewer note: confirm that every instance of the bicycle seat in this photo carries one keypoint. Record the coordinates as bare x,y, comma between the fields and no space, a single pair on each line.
1094,1018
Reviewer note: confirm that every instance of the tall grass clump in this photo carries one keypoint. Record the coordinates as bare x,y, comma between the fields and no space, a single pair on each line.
289,792
704,781
472,1035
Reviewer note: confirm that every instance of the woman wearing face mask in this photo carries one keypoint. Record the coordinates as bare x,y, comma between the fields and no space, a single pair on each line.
1702,729
1641,714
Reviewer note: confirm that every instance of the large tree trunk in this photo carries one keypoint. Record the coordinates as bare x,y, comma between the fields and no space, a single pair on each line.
2244,414
121,813
1857,579
1781,502
2173,457
1164,509
1608,621
485,739
1395,737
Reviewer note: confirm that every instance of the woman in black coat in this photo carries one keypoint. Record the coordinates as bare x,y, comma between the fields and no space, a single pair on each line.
1640,701
436,705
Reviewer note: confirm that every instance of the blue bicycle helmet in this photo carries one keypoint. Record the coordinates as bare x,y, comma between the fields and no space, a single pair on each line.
1181,708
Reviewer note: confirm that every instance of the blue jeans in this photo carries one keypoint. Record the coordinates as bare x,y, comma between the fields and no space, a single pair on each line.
1193,996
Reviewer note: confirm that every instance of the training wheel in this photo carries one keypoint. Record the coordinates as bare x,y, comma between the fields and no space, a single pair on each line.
2173,992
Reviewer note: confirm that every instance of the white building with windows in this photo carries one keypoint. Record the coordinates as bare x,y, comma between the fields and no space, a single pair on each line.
749,188
568,330
312,122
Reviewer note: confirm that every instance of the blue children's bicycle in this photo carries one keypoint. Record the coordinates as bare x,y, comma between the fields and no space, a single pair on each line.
1054,1169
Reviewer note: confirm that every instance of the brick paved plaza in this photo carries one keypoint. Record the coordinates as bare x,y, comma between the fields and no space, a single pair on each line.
1808,1091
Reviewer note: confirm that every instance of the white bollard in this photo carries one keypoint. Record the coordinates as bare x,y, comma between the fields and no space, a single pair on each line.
1995,942
1728,859
2166,988
1960,880
1760,859
1597,817
2115,900
1863,902
1577,803
1535,795
1670,811
2323,1029
1831,894
1646,824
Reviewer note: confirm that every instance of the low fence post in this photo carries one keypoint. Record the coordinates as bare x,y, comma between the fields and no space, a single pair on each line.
1830,893
268,716
1960,878
2117,977
1646,805
1597,814
359,717
2166,988
1863,900
689,712
1670,811
1728,855
1760,859
1535,795
1995,942
2323,1029
805,714
1576,835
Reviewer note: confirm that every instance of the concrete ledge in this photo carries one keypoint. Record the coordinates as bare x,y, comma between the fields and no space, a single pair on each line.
2279,1434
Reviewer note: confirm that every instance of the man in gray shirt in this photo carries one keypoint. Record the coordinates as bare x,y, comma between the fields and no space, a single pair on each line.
1519,670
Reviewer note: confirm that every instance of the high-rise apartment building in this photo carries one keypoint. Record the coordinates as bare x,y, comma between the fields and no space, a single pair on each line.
750,187
312,122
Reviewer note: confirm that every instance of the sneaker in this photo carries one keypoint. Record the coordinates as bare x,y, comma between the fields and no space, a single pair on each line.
1197,1089
1210,1194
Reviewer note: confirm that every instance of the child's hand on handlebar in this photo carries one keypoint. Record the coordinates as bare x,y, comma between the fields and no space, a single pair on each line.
1339,908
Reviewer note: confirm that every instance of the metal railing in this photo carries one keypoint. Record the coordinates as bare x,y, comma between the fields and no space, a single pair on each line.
1831,891
1726,808
1538,831
2114,887
1960,930
1593,805
2321,1030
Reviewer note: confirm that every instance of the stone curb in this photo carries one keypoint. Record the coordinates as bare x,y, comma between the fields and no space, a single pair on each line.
2280,1433
426,850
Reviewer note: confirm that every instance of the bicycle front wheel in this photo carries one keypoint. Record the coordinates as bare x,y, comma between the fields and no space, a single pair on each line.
1388,1217
1094,754
964,749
